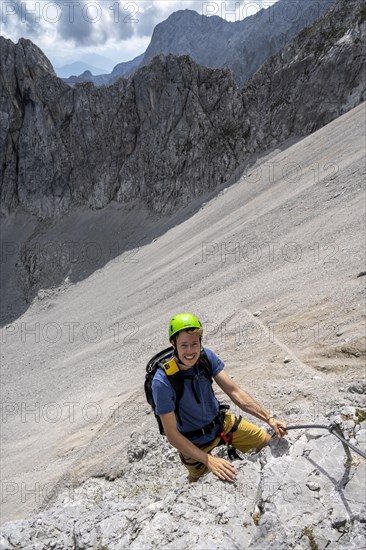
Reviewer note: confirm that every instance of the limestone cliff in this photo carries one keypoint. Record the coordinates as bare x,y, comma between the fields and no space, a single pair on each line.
172,130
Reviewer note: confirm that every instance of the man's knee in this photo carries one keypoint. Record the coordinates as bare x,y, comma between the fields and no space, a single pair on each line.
192,479
265,442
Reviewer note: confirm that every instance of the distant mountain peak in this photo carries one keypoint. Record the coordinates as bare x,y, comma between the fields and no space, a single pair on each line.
78,68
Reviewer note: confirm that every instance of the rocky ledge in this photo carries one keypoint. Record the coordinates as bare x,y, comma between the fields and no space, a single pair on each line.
300,493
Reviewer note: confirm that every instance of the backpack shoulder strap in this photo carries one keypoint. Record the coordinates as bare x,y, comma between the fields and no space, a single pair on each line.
175,377
158,358
205,364
176,380
151,368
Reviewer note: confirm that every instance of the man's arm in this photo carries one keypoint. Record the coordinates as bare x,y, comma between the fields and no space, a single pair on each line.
246,403
218,466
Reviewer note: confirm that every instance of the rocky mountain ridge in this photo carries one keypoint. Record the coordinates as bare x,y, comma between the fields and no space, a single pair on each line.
242,45
123,69
172,130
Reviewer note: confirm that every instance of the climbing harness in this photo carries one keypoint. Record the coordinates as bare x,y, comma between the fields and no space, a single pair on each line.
209,428
227,439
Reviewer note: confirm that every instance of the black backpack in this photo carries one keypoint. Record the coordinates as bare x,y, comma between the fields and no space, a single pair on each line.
176,379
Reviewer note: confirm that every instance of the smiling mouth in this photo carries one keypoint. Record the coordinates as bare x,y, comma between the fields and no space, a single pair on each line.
189,357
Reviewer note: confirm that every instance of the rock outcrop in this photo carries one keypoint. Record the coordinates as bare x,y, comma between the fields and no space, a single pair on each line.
316,78
298,493
159,136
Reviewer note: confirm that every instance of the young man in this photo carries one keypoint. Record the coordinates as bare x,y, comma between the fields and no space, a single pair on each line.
194,429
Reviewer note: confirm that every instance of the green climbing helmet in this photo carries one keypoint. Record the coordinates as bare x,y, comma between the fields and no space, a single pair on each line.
183,321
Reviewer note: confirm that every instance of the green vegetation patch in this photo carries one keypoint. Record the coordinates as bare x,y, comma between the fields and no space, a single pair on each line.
329,39
362,16
308,532
335,34
360,415
231,130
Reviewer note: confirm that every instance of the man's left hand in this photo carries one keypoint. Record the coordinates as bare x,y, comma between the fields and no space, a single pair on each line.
278,426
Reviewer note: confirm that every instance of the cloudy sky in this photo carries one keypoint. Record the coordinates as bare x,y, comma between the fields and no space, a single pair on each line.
70,30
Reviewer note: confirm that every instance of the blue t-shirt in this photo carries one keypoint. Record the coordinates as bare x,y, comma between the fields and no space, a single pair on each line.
193,415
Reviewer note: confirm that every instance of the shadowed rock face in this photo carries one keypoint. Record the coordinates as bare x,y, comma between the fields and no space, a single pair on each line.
155,136
316,78
171,131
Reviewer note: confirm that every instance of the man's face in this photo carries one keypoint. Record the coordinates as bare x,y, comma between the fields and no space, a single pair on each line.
188,347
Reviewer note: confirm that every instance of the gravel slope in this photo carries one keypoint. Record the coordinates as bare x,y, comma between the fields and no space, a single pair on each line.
299,242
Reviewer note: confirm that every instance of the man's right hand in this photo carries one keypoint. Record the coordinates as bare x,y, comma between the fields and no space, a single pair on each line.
218,466
221,468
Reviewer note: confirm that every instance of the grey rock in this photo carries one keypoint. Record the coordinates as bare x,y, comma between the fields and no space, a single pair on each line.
313,486
124,69
348,411
4,543
170,120
323,42
279,447
358,387
314,433
136,454
339,521
269,504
